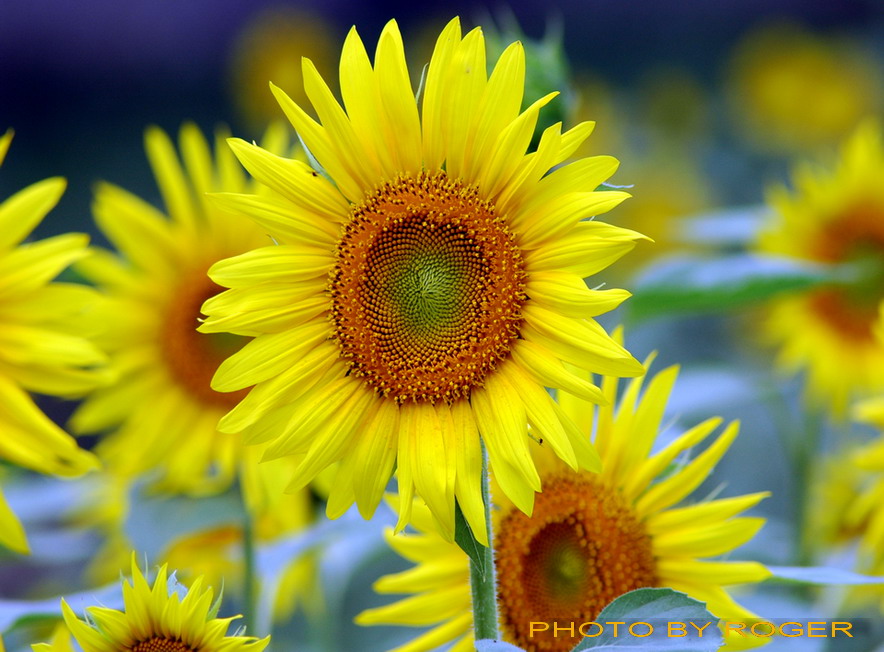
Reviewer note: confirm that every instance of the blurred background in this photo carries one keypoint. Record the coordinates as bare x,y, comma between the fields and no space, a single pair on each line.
80,81
706,104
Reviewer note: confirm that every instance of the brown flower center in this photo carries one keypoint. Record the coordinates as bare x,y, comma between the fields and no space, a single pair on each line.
157,644
427,290
582,547
856,235
193,357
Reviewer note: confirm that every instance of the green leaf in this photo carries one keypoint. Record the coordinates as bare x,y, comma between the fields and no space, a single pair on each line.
653,611
463,537
822,575
692,284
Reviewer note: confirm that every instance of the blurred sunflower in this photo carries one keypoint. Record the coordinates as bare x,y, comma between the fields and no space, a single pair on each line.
833,216
865,515
270,46
426,295
791,88
161,413
657,211
43,345
591,538
216,553
155,620
60,641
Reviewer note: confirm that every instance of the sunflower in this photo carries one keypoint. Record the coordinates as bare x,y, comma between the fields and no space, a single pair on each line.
216,552
592,537
426,285
833,216
60,641
43,347
160,413
793,89
864,516
155,620
270,46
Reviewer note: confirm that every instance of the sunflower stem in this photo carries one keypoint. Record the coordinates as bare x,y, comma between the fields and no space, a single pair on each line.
483,584
248,555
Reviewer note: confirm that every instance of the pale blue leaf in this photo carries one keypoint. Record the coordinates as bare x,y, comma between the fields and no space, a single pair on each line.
822,575
734,227
13,612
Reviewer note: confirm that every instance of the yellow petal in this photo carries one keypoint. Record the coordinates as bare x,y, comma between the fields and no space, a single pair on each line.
25,209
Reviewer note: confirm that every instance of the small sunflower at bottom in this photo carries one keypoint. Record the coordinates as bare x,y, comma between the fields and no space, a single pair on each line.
591,538
155,620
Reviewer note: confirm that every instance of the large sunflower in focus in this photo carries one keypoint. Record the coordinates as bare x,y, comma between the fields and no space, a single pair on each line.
592,537
161,413
157,620
834,216
42,343
426,286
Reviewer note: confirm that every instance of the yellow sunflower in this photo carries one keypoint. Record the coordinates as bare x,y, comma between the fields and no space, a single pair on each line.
161,413
216,553
836,216
42,341
60,641
270,46
793,89
426,285
155,620
864,516
591,538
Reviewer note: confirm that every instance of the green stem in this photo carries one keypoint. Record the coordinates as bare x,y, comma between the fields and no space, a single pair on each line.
248,555
482,576
806,450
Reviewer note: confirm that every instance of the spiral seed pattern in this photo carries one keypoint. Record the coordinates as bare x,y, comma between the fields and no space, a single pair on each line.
427,290
582,547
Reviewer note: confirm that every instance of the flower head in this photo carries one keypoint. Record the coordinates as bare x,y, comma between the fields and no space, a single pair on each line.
155,620
43,345
592,536
794,89
426,285
160,413
833,216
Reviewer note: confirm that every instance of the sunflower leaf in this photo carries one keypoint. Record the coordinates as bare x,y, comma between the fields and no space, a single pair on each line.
822,575
651,619
693,284
463,537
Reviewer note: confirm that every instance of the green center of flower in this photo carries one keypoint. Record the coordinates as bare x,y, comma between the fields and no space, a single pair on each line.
158,644
582,547
427,292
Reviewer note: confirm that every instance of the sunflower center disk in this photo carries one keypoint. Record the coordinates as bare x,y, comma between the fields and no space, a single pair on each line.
162,645
856,236
582,547
427,291
193,357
